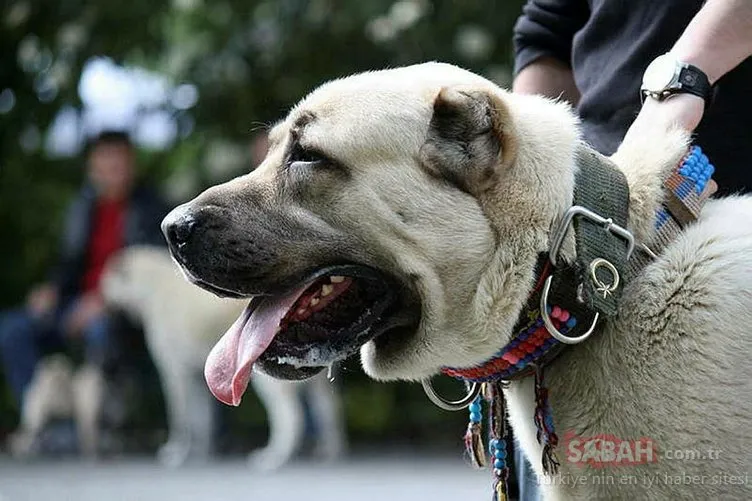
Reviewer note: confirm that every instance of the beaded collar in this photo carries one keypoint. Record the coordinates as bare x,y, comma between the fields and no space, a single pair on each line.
533,346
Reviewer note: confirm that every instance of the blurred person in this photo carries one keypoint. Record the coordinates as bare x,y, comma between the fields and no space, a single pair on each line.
601,55
110,212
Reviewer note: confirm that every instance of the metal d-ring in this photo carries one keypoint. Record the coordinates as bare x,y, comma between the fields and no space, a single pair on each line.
451,405
551,328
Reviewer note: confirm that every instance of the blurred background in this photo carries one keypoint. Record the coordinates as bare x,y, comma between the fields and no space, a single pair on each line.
194,83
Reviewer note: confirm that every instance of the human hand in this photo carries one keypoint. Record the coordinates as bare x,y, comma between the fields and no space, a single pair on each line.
682,110
42,299
86,309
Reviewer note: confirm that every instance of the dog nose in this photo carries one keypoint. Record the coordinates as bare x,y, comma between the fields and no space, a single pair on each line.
178,227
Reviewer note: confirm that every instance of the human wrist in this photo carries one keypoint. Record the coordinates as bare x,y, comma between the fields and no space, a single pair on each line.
682,110
698,59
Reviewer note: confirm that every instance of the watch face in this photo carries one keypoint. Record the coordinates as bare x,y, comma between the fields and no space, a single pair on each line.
659,74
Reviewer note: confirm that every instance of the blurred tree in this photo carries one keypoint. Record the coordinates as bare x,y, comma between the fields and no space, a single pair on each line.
249,60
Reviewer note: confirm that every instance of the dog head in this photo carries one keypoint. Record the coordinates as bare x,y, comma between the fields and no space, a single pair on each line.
398,212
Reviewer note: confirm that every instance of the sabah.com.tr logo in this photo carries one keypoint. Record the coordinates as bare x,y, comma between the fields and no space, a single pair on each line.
610,450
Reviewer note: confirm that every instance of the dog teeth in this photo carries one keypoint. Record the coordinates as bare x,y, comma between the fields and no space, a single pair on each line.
335,279
326,289
315,301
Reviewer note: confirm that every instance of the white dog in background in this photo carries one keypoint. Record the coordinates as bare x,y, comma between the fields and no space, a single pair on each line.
58,391
181,324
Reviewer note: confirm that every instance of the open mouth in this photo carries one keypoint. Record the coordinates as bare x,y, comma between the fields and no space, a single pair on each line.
325,318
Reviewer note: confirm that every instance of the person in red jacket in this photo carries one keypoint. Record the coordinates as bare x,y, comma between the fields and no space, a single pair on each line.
111,211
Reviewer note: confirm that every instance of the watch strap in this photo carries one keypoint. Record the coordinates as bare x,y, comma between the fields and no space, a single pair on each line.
694,81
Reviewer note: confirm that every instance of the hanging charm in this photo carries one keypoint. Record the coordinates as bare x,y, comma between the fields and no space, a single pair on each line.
545,425
498,444
473,435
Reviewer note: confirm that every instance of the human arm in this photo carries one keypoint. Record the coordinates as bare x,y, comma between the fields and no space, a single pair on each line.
63,279
543,45
548,77
717,39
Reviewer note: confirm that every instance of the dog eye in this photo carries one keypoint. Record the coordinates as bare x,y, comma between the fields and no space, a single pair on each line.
305,157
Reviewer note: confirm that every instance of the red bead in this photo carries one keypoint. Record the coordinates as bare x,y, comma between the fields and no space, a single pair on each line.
564,315
555,312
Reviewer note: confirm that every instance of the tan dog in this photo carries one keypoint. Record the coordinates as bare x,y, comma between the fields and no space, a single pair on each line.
181,325
57,391
404,210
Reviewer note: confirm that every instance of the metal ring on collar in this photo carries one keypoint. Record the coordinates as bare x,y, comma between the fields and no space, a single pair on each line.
451,405
601,286
551,328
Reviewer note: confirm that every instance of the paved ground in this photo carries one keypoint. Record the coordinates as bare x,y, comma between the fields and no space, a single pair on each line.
386,479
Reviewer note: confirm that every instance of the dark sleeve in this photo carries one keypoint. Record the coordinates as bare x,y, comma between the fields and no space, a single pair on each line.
67,273
546,28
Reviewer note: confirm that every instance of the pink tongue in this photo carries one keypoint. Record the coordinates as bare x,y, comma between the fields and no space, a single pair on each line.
228,366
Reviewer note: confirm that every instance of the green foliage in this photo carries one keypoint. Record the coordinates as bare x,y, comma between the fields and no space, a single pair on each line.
250,61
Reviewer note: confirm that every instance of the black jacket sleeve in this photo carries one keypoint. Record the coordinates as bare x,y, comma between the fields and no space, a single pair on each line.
66,275
546,28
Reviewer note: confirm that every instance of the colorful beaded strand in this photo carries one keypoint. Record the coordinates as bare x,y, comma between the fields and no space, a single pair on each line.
498,442
473,435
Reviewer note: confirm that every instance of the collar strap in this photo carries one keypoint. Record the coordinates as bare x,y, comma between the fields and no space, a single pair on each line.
686,190
602,244
532,345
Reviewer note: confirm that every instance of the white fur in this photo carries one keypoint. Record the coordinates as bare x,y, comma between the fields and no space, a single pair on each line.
673,366
182,323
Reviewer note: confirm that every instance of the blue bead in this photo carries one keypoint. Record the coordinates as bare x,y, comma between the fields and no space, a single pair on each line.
500,454
493,444
571,322
474,407
499,464
514,343
475,417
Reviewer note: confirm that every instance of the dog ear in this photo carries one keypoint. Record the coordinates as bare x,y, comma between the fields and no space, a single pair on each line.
469,138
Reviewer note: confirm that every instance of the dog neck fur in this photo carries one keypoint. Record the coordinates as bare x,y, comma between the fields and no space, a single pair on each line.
539,190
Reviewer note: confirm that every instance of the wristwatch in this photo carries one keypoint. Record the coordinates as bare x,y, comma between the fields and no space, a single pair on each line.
666,76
